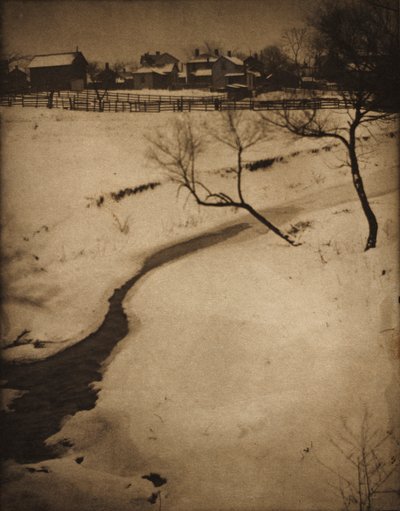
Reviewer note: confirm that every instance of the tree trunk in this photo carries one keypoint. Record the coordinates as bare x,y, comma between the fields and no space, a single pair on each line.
271,226
359,186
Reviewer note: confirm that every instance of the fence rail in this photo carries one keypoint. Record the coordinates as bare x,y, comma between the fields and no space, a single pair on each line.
104,101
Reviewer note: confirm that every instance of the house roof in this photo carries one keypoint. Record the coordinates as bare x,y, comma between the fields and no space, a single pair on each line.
55,59
201,60
202,72
125,74
160,70
234,74
254,73
234,60
147,70
153,58
236,86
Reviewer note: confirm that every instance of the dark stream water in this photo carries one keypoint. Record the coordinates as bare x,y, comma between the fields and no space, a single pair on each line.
59,386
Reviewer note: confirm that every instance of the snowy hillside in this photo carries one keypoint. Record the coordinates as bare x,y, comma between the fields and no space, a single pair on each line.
243,355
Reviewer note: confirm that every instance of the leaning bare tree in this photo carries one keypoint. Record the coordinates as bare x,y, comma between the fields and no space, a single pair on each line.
177,150
367,476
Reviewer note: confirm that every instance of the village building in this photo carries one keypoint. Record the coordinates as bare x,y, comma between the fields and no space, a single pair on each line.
106,78
156,77
157,59
199,70
227,70
58,71
17,80
255,72
124,79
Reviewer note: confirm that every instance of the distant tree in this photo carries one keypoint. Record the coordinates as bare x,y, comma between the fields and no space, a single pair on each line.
274,59
363,37
296,45
207,47
176,151
120,65
94,68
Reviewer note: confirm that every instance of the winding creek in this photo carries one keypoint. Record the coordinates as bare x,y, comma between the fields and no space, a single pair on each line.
60,386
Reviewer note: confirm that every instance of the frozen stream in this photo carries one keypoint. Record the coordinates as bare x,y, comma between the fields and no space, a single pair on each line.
60,385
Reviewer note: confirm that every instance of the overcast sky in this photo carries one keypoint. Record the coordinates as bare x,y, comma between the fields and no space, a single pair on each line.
107,30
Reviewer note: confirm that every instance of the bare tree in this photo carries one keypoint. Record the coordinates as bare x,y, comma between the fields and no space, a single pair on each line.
365,43
177,150
94,69
312,123
295,44
370,463
273,58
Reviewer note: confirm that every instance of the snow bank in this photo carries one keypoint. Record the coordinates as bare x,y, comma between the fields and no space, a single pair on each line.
247,357
242,358
64,255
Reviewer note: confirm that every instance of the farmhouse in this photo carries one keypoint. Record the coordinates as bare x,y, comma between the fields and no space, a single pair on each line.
156,77
58,71
199,69
227,70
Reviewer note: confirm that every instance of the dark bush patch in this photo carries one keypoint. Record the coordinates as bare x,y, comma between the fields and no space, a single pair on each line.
327,148
153,498
345,210
314,151
156,479
262,164
126,192
300,226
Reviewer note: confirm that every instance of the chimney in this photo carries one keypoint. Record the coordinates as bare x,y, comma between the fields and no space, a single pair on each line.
196,52
216,51
256,56
16,68
229,53
107,66
77,50
157,53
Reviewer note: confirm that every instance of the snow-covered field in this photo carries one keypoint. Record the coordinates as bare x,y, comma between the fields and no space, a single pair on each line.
242,358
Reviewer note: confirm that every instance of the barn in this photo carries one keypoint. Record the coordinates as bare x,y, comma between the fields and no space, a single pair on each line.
58,71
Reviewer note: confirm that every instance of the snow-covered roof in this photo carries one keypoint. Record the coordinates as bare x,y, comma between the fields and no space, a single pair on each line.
234,74
234,60
57,59
202,60
146,70
160,70
202,72
254,73
236,86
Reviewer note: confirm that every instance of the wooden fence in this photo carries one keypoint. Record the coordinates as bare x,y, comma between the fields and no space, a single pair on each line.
127,102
